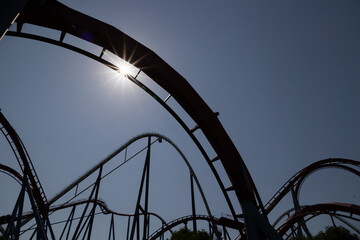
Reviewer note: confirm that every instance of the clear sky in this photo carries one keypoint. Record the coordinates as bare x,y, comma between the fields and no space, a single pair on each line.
284,76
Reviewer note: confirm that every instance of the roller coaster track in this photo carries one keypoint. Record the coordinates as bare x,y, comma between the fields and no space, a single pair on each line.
183,220
331,209
158,137
25,163
291,211
102,204
55,15
308,212
12,173
158,99
298,179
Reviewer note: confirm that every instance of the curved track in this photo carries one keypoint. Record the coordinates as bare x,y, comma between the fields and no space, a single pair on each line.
291,211
25,163
158,99
55,15
103,206
100,203
184,220
12,173
308,212
158,137
298,179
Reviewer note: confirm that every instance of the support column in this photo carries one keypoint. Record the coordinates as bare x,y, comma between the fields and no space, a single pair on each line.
301,223
193,202
257,227
144,180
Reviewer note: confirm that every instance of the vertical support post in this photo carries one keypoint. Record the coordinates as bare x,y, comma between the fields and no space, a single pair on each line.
162,235
301,223
147,191
224,233
40,228
98,180
257,227
211,231
148,226
69,221
80,227
32,235
297,207
128,229
112,228
145,174
332,220
11,229
50,228
193,201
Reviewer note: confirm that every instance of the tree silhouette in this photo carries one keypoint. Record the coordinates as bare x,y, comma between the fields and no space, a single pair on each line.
332,233
186,234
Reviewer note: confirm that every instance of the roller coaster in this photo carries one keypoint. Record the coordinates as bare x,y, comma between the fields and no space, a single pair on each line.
79,203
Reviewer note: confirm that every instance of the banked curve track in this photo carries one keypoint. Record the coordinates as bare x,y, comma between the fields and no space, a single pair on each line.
296,181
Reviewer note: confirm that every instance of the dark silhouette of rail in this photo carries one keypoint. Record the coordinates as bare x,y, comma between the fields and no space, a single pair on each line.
352,211
25,163
296,181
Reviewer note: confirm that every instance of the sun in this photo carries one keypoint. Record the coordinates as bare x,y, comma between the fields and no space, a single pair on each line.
124,69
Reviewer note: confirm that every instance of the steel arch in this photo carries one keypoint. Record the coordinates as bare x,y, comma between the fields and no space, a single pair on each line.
57,16
159,100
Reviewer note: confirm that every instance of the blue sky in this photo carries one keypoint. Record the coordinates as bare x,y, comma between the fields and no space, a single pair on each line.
282,74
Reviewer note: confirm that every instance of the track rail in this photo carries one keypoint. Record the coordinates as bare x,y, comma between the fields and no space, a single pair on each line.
12,173
163,103
25,163
183,220
102,204
291,211
55,15
189,131
308,212
158,137
298,179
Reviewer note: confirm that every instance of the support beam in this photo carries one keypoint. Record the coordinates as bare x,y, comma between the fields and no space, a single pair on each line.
145,177
9,11
301,223
257,227
193,202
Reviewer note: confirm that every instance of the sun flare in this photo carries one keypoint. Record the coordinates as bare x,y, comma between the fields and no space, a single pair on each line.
124,69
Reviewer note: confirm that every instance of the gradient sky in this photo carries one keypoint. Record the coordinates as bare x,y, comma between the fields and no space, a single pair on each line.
284,76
